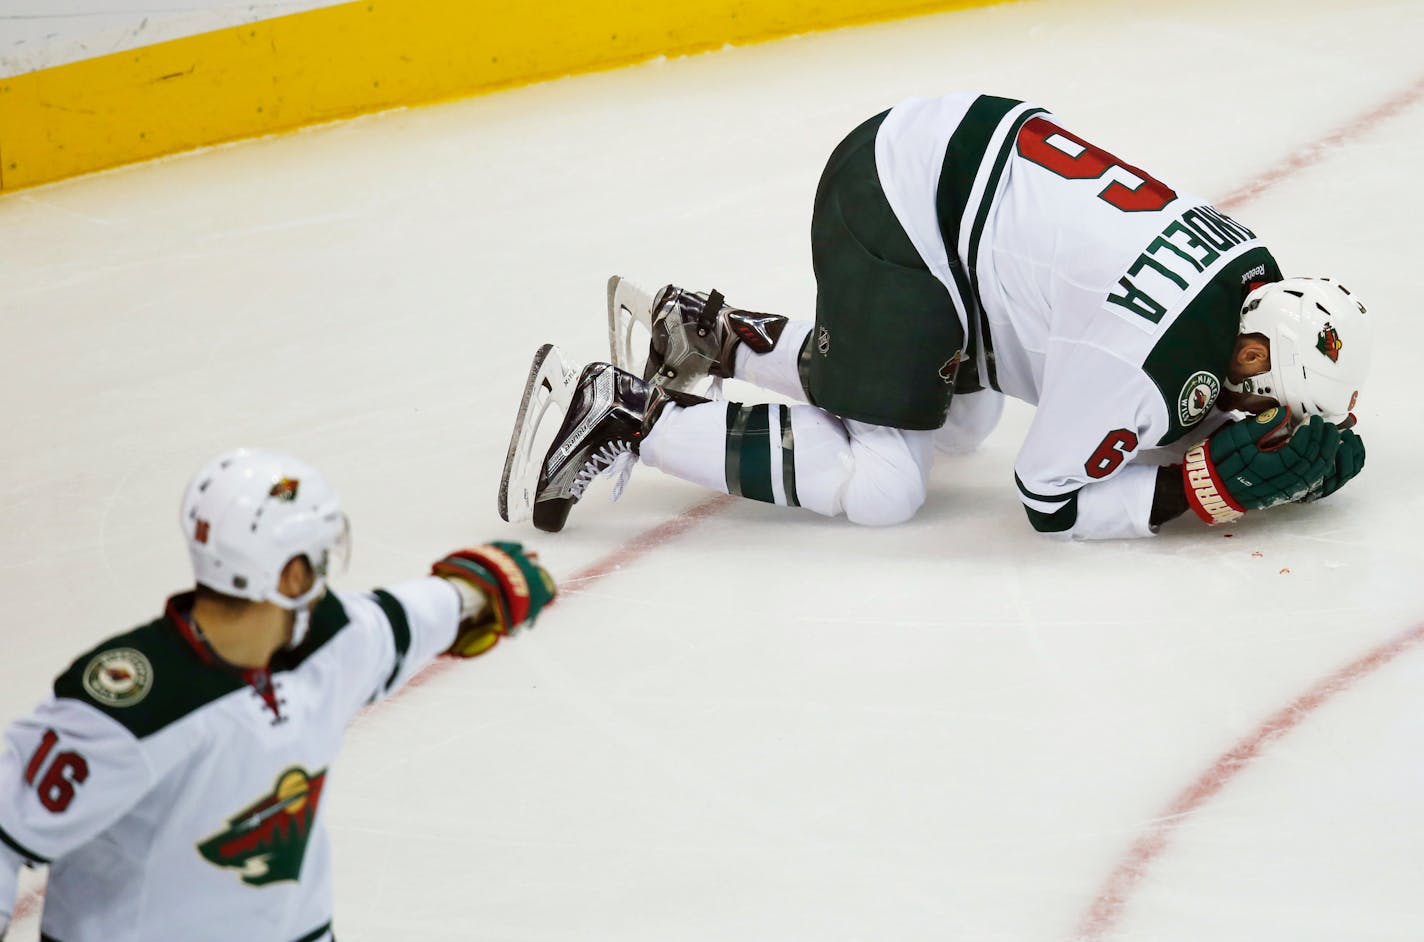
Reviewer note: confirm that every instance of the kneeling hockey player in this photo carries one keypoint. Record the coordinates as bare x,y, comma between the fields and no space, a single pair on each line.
966,248
175,780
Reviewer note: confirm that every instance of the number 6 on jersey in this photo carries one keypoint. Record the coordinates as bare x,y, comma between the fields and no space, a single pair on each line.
1112,452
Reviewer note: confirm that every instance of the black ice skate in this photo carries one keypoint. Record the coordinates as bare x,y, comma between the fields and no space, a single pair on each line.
607,412
693,336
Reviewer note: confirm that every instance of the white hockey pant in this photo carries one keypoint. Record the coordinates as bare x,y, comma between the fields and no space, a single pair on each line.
793,455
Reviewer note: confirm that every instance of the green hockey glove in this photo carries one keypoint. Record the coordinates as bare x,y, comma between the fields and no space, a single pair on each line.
1348,462
1248,465
515,587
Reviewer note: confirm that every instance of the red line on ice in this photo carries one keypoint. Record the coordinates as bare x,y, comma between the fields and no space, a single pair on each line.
630,552
1112,899
1314,153
646,542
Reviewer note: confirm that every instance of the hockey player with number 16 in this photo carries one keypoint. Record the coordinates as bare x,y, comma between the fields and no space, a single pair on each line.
175,780
967,248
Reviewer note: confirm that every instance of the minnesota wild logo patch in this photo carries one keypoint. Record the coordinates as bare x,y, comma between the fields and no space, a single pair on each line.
1329,343
267,841
118,678
1198,395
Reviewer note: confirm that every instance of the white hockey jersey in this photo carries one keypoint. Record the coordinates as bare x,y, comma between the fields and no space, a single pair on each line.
1087,287
177,798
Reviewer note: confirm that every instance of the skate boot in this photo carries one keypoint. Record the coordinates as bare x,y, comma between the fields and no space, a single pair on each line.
694,336
607,413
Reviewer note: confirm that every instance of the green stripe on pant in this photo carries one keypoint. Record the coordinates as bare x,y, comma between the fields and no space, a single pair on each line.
750,442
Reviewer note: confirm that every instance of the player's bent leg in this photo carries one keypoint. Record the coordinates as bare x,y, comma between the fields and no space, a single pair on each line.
778,370
890,473
795,456
690,444
972,416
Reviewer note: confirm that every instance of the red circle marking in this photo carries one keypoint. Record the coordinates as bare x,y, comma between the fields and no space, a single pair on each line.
1111,900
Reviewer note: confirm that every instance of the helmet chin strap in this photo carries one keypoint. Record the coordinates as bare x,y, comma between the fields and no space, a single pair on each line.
1244,397
300,607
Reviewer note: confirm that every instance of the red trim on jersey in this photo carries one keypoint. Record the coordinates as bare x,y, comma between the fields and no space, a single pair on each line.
174,612
258,678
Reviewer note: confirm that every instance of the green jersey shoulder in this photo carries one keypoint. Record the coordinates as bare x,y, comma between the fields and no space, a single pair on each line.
1188,363
153,676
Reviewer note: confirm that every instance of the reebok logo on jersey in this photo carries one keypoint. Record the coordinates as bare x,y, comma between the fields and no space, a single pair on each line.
1197,396
266,842
1249,279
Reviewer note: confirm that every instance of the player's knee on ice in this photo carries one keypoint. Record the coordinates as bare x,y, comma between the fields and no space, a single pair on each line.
888,474
875,476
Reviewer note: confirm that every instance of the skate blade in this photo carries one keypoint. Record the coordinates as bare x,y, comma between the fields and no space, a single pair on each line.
630,308
551,385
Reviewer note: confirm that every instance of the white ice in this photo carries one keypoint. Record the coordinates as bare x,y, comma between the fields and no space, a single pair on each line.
40,34
774,726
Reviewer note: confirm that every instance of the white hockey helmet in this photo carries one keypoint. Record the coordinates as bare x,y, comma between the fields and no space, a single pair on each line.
250,512
1320,346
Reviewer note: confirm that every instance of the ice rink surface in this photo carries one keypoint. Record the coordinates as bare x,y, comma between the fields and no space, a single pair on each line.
751,723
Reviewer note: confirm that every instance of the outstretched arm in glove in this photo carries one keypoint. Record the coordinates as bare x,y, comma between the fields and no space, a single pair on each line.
501,587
